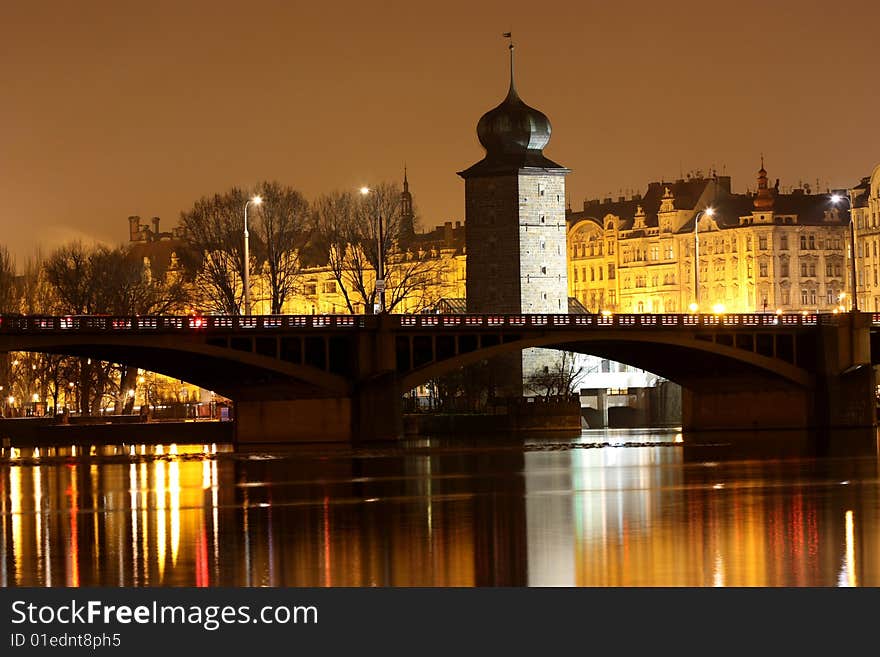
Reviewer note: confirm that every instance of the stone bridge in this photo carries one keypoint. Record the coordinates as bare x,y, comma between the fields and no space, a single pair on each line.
320,377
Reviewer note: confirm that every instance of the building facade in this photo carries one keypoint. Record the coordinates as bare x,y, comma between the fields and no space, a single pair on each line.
865,200
763,252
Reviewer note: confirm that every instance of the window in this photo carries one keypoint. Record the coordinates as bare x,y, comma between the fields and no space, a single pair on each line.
575,275
803,242
783,243
812,269
812,241
749,243
804,297
600,273
655,253
311,289
763,269
750,272
329,287
829,270
812,297
612,297
610,272
592,274
837,270
669,254
803,270
762,242
783,268
786,297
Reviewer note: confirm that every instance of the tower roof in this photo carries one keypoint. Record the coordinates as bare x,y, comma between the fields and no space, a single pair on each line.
514,136
764,197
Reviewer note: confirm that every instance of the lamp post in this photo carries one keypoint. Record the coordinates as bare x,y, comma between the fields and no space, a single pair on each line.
835,199
256,200
380,273
710,212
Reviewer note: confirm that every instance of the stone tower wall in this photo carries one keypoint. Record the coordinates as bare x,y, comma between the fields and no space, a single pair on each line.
542,244
492,243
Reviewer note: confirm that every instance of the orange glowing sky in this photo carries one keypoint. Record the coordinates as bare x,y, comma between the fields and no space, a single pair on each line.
112,108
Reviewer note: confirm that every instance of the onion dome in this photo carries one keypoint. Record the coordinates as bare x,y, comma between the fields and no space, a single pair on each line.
514,136
513,127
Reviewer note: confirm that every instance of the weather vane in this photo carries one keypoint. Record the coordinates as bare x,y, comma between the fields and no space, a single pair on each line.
509,37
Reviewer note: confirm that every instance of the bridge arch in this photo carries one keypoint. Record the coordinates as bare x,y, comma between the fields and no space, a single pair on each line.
229,372
678,358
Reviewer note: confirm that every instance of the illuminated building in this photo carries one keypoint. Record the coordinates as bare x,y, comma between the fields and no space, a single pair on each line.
865,199
763,252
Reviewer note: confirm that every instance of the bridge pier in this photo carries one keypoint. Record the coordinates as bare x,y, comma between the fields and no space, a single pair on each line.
293,420
840,395
374,412
715,404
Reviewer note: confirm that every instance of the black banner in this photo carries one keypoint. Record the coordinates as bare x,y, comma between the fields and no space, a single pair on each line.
388,621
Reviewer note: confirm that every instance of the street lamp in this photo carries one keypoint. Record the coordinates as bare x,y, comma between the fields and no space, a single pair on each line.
709,212
380,273
835,199
256,200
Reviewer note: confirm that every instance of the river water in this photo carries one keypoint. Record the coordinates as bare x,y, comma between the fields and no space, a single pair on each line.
606,508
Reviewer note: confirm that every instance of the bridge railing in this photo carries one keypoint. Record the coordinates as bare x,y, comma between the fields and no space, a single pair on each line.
612,320
188,323
164,323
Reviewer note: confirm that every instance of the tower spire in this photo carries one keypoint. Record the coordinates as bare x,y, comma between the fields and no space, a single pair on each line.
405,181
512,91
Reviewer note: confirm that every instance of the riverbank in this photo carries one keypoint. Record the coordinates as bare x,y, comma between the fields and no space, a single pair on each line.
19,432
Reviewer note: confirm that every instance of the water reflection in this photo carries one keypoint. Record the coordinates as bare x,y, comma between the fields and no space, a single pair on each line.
606,509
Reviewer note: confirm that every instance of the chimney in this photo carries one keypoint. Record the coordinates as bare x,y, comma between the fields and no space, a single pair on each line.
458,224
134,228
621,199
155,221
447,232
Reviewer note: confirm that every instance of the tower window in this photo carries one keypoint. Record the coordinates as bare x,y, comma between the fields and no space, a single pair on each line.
542,218
543,270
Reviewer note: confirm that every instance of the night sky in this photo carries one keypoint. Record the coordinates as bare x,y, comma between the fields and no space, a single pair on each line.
114,108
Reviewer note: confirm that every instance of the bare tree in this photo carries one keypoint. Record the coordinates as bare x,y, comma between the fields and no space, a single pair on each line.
333,218
282,230
9,297
100,280
347,228
559,379
213,232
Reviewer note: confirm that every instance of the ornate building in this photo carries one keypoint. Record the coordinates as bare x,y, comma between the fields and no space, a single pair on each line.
865,199
763,252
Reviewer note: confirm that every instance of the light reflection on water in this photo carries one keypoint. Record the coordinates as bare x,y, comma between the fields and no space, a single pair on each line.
611,508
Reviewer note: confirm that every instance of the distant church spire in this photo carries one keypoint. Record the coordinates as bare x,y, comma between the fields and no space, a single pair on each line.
764,198
407,215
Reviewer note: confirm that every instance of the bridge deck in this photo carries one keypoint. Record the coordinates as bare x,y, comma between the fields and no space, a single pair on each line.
225,323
